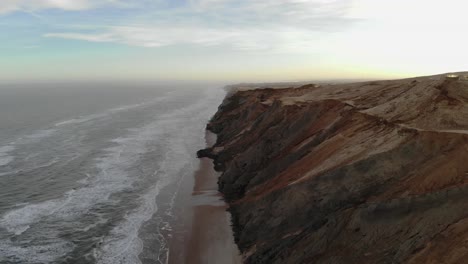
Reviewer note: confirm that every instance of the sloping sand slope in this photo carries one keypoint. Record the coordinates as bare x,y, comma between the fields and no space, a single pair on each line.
372,172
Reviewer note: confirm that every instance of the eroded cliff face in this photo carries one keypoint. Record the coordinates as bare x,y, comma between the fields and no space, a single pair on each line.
371,172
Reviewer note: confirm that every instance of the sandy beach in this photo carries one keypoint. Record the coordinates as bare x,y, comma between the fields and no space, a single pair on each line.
203,234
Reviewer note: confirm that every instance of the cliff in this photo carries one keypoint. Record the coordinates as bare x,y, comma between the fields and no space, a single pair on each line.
372,172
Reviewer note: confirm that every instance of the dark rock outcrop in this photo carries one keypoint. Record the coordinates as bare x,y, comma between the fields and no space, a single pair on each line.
370,172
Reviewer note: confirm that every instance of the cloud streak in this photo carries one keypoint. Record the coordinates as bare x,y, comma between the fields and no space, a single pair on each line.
8,6
278,39
288,25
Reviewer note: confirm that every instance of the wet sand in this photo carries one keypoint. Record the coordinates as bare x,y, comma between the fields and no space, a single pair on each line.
204,234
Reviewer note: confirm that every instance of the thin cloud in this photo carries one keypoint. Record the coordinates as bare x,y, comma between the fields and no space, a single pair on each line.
319,15
288,25
85,37
275,39
8,6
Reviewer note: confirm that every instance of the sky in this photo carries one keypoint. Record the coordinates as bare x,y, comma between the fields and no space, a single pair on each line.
230,40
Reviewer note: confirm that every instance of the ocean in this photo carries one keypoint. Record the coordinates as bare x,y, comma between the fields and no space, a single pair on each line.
89,172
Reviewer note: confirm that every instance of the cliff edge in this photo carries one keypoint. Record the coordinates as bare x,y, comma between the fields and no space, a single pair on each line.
372,172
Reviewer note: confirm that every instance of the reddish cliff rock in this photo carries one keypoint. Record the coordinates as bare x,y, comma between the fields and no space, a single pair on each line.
372,172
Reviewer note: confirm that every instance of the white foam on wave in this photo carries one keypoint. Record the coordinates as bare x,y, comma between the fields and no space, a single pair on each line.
45,133
79,120
6,173
92,117
121,246
54,160
124,245
99,222
6,149
20,220
40,134
5,158
33,253
112,178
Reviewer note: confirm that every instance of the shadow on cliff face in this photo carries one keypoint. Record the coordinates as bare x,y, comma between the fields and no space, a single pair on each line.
354,173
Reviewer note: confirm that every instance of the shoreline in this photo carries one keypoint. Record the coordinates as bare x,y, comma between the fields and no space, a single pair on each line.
205,234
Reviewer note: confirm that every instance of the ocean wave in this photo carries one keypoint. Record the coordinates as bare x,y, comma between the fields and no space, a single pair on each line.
124,245
113,175
36,136
18,221
5,152
92,117
5,158
34,253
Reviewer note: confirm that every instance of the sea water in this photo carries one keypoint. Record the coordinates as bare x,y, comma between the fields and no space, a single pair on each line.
82,167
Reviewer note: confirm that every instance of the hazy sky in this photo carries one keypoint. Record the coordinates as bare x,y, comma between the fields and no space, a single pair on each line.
232,40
